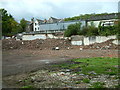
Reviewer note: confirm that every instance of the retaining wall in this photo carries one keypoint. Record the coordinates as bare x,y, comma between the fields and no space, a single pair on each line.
92,40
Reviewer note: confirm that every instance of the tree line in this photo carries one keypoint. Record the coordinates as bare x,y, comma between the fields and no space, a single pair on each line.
85,16
91,30
10,26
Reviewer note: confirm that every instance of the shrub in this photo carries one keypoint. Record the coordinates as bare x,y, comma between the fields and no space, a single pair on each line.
72,29
110,30
90,30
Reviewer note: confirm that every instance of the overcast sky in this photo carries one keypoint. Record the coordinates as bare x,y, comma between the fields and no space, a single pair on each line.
42,9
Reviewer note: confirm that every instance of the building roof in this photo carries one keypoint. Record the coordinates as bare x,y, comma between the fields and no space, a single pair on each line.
53,20
39,21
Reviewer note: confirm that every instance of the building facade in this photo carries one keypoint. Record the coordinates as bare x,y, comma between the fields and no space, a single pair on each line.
54,24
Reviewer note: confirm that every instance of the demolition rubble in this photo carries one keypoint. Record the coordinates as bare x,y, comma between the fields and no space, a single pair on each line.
54,44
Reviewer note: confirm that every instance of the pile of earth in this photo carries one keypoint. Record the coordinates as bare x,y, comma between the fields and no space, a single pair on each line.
35,44
51,44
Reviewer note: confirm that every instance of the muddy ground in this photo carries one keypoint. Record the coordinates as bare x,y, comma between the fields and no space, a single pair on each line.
18,63
20,59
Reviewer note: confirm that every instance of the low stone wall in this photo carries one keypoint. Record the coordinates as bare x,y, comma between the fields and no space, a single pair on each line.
75,40
39,36
92,40
33,37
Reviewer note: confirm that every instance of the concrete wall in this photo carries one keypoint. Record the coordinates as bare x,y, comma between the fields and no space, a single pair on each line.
33,37
97,39
76,42
38,36
96,23
92,40
117,42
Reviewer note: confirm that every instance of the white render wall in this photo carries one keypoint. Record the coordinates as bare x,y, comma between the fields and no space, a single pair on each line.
92,40
97,39
85,41
38,36
33,37
36,26
76,42
96,23
117,42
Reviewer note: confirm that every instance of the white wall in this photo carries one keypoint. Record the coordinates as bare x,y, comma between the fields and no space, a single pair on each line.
96,23
97,39
92,40
76,42
38,36
33,37
117,42
36,26
50,36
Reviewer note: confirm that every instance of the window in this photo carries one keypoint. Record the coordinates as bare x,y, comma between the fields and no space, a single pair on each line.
35,24
38,28
35,29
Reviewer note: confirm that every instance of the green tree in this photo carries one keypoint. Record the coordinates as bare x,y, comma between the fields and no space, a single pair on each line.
110,30
90,30
23,24
72,29
9,25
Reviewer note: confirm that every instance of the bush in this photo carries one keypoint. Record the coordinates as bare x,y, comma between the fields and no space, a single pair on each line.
110,30
72,29
75,29
90,30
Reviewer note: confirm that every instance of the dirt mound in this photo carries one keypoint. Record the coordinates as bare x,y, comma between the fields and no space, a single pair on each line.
36,44
52,43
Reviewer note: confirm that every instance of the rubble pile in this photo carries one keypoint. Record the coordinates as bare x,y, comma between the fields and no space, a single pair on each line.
52,44
36,44
104,45
11,44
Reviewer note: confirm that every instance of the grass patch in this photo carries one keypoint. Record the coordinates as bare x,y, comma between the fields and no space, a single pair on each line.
97,85
86,80
27,86
77,82
100,65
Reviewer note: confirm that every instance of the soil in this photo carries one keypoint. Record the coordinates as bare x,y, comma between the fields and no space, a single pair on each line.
18,61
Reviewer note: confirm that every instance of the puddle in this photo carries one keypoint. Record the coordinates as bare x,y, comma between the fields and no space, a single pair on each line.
45,61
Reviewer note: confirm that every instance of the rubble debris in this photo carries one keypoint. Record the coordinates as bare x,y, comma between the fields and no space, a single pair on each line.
81,49
56,48
36,44
54,44
102,46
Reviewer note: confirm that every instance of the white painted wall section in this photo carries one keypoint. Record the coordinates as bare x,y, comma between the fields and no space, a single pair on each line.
76,42
33,37
117,42
97,39
36,26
